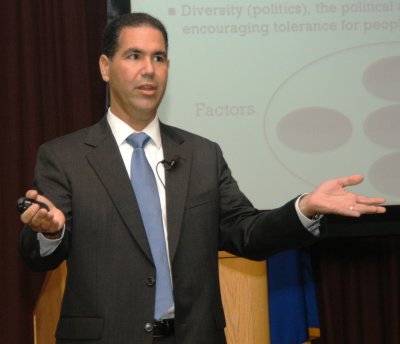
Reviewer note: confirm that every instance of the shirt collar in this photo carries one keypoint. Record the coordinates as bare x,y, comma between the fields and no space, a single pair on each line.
121,130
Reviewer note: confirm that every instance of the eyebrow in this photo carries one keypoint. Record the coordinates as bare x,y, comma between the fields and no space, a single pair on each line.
139,51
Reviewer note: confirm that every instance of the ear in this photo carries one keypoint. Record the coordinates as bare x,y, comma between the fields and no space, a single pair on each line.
104,64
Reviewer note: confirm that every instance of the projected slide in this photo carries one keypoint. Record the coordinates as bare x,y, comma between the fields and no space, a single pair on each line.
294,92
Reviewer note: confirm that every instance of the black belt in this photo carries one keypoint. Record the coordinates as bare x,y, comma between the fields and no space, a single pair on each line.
163,328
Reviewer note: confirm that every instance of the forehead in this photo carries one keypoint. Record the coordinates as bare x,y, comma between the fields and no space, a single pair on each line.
143,37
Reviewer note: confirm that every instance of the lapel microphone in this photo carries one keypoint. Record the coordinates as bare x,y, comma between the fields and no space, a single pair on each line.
169,164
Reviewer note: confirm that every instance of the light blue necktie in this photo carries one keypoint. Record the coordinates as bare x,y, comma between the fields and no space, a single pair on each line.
145,187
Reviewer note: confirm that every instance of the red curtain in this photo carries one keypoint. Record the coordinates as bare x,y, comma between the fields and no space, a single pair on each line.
358,283
50,86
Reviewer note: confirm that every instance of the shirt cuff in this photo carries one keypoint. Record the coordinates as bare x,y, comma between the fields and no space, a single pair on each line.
312,225
48,246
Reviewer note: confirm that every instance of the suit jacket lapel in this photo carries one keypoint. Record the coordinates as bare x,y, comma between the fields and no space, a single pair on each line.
107,162
176,183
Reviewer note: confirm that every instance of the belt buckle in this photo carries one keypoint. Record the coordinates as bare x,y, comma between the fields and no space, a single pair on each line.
163,328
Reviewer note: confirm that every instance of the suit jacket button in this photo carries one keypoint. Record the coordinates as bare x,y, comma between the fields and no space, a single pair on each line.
148,327
150,281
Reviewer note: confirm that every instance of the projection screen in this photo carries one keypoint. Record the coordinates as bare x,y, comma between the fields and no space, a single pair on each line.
295,92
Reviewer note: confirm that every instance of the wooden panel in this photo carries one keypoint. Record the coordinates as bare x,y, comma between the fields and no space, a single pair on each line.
47,309
244,295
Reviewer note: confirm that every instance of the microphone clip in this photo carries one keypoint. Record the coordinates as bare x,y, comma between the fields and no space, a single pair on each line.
169,164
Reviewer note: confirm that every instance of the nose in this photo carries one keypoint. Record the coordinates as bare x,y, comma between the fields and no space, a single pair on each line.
148,66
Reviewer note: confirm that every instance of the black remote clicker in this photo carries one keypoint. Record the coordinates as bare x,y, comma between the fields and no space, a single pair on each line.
24,203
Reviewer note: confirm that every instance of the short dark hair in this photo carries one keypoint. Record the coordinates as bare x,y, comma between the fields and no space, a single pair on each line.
137,19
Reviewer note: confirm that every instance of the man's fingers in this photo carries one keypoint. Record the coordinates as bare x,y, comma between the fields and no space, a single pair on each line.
37,218
350,180
40,219
370,209
370,200
28,214
31,194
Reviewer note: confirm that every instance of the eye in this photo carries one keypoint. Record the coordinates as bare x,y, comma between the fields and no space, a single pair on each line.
133,56
159,58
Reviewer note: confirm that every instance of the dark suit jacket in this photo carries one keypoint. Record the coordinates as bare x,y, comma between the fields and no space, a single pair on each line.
109,295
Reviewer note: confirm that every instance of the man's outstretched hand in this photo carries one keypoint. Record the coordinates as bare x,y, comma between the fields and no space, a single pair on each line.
332,197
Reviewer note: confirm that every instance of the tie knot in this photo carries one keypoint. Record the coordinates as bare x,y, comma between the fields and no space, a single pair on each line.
138,140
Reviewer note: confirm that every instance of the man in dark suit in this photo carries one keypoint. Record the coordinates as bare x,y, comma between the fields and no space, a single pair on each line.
94,219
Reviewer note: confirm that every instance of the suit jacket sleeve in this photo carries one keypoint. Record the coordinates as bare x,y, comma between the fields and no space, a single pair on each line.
251,233
50,181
